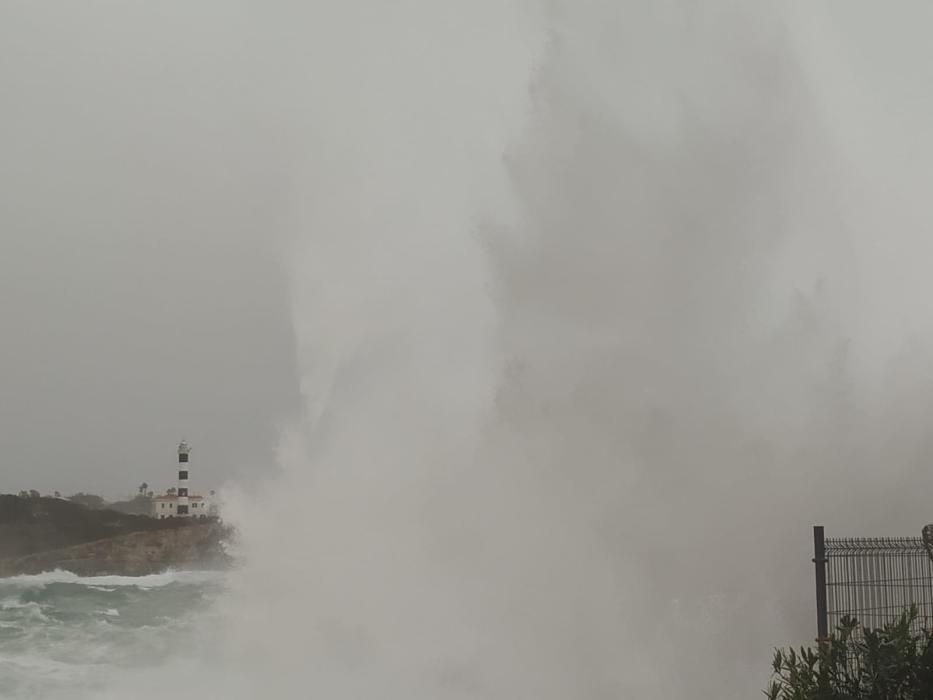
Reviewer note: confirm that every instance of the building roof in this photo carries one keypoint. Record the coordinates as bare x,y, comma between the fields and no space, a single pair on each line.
175,498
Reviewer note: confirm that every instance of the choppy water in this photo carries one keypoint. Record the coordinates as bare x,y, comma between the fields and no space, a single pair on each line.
63,636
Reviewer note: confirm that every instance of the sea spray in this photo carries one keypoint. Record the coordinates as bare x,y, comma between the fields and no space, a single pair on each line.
384,589
514,385
595,318
571,308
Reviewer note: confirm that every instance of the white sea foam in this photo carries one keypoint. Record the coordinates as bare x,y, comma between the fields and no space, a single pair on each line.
12,604
111,583
28,609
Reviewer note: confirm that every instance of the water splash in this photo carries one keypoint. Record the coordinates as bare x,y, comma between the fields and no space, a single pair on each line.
587,342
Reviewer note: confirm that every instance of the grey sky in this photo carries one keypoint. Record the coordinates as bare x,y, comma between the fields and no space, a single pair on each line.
142,291
145,171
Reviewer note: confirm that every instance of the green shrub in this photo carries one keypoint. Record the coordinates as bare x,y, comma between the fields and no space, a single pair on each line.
892,663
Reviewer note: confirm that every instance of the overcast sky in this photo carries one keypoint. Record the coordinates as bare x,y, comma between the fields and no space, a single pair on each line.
145,185
143,291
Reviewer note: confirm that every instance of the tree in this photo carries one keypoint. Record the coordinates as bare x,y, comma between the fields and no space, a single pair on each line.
893,663
89,500
172,491
24,494
143,487
57,494
34,494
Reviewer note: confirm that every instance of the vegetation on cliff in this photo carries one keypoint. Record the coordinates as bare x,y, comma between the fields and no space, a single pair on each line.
139,503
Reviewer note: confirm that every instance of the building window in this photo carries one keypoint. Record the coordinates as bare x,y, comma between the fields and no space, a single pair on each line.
163,505
183,510
171,505
183,475
182,492
183,459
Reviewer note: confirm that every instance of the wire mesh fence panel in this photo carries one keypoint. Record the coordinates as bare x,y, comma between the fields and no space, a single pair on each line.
874,580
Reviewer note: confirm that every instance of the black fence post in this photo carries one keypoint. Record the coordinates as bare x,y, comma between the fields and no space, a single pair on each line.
819,560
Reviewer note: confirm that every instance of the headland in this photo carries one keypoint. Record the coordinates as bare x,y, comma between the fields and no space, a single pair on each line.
42,534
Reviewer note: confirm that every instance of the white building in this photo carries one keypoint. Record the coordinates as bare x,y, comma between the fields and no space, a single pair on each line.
167,507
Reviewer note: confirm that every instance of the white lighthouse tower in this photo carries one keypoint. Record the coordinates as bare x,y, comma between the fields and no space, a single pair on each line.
181,509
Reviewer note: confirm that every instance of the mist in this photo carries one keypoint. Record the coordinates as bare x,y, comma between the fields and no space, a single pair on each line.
590,339
598,308
143,260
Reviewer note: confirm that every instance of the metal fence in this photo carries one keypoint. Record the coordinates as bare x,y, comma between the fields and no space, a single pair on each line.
871,579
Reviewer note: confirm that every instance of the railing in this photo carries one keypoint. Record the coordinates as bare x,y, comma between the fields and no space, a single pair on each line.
872,580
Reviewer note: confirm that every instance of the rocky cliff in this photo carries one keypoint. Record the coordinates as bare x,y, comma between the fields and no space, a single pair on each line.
40,534
136,554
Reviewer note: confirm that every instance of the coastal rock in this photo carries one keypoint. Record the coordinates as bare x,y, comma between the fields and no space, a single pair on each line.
41,534
135,554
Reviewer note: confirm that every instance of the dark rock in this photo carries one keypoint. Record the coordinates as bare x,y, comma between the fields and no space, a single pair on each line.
41,534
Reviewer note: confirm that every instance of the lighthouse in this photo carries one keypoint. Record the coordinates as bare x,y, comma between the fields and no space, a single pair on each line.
184,451
180,502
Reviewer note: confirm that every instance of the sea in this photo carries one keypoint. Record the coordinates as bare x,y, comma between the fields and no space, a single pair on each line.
65,636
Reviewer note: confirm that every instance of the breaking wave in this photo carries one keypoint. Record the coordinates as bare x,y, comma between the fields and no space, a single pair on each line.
105,583
66,636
